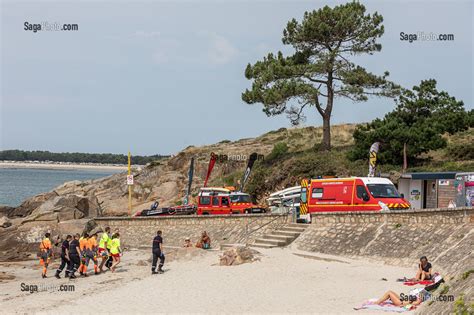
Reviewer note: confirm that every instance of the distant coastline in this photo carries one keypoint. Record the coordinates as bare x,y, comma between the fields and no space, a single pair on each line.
60,165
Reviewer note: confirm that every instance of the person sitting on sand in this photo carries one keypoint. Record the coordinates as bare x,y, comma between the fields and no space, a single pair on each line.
204,242
414,297
187,242
424,270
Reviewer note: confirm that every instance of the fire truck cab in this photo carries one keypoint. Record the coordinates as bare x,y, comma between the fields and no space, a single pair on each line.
216,200
350,194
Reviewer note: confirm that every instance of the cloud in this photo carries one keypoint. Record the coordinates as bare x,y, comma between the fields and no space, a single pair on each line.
160,57
166,50
221,50
145,34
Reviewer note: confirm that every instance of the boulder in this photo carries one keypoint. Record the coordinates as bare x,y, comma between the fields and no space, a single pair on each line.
63,208
29,205
6,210
5,222
65,214
238,255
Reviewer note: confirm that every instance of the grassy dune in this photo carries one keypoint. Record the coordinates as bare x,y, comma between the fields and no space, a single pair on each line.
291,154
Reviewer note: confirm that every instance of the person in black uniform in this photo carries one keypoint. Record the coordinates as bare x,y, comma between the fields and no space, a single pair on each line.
157,251
74,256
64,258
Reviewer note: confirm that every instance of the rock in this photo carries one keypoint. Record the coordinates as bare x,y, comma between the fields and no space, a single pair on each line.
29,205
237,256
6,211
74,226
4,222
65,214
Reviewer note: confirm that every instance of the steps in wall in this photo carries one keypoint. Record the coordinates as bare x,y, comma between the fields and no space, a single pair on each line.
281,237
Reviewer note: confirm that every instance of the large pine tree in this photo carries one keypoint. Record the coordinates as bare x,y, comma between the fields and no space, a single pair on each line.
320,70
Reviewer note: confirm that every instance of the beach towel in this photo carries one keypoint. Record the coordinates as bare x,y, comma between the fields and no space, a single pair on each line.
386,306
424,282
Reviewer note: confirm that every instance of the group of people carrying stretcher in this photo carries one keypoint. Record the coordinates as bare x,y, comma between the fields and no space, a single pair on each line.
77,251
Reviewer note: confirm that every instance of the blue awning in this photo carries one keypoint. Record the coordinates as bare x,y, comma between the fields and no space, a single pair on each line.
432,175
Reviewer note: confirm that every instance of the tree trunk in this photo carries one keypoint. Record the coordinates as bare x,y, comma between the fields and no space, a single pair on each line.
326,132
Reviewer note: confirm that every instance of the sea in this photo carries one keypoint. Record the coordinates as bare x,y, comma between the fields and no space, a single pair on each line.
18,184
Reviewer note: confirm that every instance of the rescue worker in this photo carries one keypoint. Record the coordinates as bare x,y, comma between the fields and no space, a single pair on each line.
103,251
74,256
65,261
115,251
45,254
91,253
83,242
157,251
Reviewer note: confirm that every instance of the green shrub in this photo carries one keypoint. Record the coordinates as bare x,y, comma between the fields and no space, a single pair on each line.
466,274
460,307
460,151
279,149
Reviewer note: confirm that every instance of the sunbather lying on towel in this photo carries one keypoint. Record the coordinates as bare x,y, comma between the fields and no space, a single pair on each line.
414,297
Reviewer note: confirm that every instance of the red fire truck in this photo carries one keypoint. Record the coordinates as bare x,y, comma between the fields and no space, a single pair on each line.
350,194
216,200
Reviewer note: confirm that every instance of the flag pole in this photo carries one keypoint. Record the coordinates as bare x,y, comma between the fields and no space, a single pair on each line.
129,186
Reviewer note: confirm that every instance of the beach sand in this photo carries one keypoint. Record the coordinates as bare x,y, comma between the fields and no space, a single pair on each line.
283,281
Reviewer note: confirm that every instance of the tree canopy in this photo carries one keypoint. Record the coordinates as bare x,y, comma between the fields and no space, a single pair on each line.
76,157
421,118
320,69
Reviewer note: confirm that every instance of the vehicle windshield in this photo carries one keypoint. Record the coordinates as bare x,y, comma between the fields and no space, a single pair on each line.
383,191
240,198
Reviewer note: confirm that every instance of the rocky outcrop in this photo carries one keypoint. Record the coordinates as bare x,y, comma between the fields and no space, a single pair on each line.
31,204
238,255
24,228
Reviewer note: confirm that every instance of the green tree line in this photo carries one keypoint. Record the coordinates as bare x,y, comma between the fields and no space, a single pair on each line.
76,157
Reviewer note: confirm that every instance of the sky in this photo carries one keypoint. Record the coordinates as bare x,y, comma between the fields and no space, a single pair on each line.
154,77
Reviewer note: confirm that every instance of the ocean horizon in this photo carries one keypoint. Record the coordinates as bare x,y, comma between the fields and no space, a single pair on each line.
19,184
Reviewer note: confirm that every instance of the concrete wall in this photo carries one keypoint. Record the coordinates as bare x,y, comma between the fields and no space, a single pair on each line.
445,236
395,236
139,231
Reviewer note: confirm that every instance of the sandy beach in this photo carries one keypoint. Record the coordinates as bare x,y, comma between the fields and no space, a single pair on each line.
56,166
282,281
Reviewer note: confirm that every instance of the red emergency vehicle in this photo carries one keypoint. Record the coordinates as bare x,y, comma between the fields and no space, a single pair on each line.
216,200
350,194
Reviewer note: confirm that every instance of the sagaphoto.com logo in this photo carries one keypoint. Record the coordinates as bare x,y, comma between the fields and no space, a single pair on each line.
49,27
425,37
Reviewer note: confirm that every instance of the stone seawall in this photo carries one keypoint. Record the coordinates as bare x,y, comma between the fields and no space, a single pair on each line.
139,231
445,236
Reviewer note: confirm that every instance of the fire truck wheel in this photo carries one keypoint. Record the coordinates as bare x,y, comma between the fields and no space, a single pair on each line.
205,213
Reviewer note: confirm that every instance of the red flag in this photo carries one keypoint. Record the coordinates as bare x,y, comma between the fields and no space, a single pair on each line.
210,167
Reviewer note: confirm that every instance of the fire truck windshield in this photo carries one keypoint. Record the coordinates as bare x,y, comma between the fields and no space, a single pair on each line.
383,191
240,198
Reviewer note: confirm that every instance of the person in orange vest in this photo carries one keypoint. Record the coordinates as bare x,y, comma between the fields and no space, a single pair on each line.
83,243
91,253
45,254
